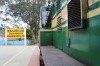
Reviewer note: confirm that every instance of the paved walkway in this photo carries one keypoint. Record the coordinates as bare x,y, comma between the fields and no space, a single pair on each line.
19,56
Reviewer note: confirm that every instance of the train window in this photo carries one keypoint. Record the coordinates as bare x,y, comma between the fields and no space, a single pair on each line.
77,14
45,18
58,6
59,27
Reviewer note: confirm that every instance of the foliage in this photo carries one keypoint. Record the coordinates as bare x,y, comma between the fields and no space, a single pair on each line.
36,41
29,34
2,2
21,10
28,13
30,37
5,11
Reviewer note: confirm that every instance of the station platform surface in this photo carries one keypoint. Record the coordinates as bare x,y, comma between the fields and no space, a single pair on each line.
19,56
54,57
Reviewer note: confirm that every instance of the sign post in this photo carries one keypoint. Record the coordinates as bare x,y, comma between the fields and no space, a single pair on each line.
17,34
5,36
25,36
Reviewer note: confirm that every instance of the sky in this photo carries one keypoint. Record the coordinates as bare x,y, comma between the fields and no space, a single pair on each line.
9,23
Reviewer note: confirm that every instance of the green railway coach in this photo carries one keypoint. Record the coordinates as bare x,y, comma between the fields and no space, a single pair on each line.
74,27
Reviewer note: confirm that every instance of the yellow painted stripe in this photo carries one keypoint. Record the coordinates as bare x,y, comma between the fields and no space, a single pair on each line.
62,27
54,22
93,13
63,15
90,2
55,29
46,30
63,4
55,14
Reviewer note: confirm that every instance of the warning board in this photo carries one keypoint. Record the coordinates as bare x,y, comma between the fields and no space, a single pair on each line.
15,33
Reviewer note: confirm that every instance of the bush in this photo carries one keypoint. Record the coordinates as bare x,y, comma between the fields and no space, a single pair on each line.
29,34
30,37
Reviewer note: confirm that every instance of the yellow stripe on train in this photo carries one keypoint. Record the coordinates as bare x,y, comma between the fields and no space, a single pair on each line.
93,13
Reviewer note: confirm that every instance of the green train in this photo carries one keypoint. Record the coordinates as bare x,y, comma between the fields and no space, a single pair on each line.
74,27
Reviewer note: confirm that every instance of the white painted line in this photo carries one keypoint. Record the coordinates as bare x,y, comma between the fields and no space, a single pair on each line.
14,57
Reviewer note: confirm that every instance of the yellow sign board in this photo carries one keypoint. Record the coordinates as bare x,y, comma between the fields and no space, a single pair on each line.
15,33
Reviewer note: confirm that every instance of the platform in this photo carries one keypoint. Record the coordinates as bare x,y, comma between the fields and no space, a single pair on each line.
55,57
19,56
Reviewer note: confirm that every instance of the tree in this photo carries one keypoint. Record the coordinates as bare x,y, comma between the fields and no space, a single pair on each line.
29,34
22,10
4,4
28,13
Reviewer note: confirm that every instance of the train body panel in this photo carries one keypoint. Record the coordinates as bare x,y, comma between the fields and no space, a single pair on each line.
82,43
59,37
47,40
94,33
